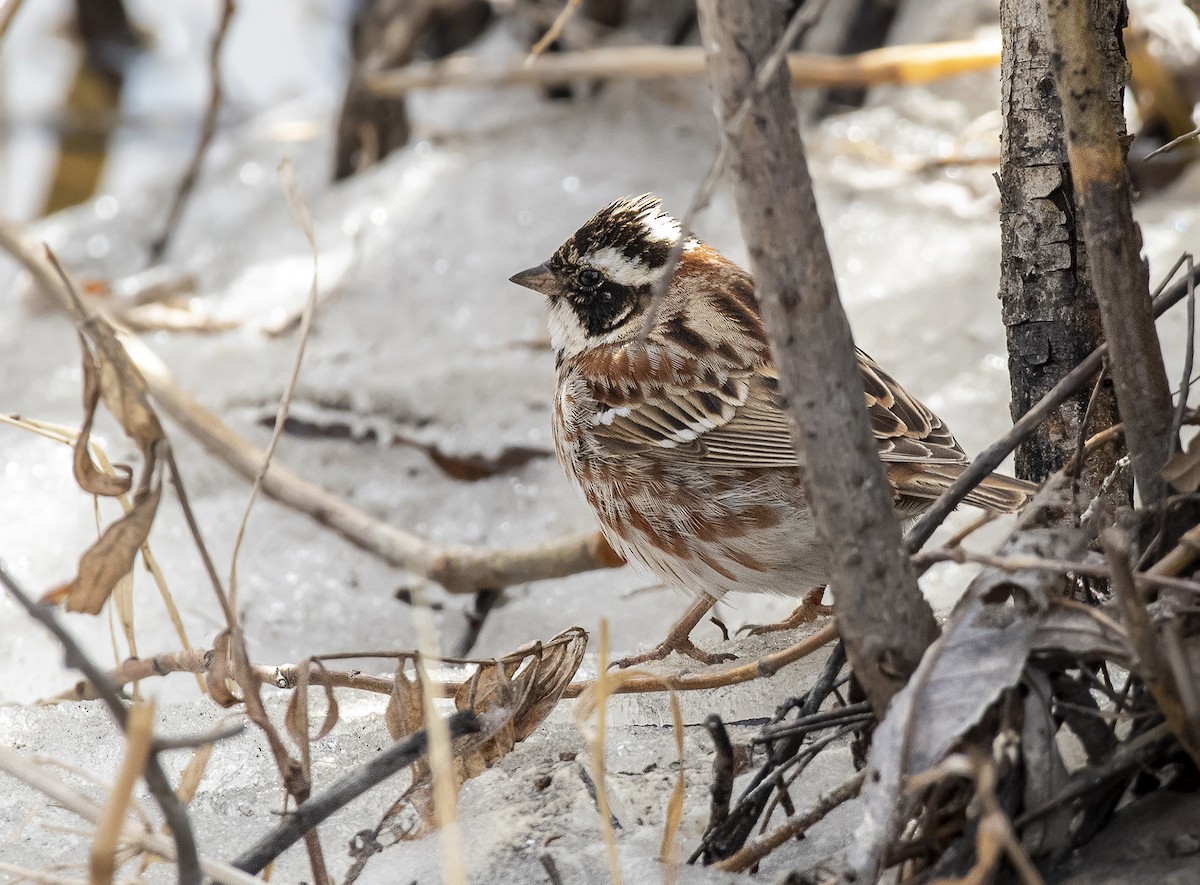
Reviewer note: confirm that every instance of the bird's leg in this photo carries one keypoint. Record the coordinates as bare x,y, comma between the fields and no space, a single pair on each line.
808,610
678,640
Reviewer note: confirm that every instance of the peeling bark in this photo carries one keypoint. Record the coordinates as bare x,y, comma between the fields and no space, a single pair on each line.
1049,307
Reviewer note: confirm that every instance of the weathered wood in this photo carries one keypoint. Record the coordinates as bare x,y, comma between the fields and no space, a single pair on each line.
881,614
1095,129
1048,305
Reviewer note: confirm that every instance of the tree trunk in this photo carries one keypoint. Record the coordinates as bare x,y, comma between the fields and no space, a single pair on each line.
1048,304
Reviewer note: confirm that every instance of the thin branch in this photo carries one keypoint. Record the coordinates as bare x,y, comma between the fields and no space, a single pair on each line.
190,741
906,65
991,457
1062,566
300,212
312,812
156,778
208,128
756,849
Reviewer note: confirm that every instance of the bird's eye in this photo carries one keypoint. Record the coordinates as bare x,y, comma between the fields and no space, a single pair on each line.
590,278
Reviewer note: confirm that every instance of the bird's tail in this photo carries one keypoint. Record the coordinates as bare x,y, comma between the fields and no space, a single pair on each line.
997,492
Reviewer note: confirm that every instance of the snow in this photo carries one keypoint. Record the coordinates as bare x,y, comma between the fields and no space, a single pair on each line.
428,340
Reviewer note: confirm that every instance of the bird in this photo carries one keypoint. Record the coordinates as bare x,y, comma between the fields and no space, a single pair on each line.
669,421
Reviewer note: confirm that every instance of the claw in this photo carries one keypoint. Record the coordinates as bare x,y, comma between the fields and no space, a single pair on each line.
664,648
808,610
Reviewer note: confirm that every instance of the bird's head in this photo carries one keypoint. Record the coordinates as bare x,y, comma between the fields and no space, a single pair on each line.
601,280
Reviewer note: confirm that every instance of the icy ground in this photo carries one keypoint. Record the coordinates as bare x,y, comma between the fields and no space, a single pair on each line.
428,340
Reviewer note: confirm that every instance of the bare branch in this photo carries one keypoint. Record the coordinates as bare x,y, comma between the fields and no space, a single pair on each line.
893,64
883,618
208,128
312,812
156,778
1114,243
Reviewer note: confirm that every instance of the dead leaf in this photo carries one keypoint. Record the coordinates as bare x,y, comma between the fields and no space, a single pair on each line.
404,715
1045,773
1083,632
111,377
296,721
981,653
91,478
1182,469
511,695
111,558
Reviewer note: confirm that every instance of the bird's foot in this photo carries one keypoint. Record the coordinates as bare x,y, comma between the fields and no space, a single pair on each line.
806,612
684,646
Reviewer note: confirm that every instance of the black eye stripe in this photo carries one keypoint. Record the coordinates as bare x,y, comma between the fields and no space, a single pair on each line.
601,311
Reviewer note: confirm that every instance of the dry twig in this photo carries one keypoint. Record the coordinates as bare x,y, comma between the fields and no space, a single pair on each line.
156,778
315,810
907,65
796,826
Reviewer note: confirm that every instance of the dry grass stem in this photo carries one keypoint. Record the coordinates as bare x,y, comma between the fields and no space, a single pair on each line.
303,217
139,735
553,32
595,700
441,756
667,852
906,65
994,835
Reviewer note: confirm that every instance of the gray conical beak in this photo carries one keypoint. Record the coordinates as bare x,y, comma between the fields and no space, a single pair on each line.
539,279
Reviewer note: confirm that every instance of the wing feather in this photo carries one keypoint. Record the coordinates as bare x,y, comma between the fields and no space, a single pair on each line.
733,416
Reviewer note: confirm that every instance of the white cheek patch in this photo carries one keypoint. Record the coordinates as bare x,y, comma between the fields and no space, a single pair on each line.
567,336
622,270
